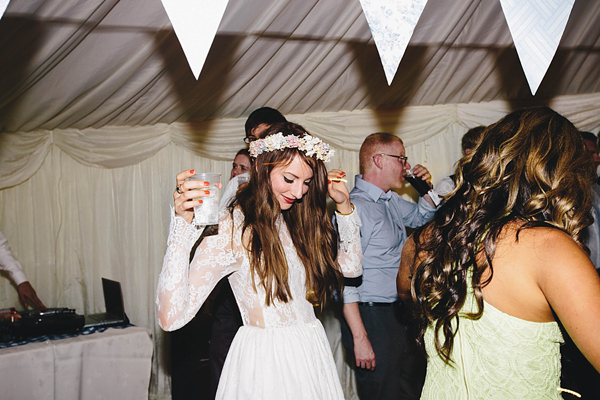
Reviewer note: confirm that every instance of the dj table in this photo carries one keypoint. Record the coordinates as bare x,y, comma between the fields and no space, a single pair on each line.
107,363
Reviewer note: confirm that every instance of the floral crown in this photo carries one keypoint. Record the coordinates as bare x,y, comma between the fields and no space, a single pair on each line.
310,145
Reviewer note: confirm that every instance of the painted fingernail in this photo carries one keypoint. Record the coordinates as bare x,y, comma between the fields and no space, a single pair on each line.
192,171
207,192
206,183
199,201
329,181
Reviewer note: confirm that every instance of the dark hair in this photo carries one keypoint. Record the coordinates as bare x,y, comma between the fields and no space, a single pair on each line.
530,166
471,138
263,115
310,227
589,136
244,152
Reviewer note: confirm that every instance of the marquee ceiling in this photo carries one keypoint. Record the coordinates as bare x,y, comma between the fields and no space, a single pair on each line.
79,64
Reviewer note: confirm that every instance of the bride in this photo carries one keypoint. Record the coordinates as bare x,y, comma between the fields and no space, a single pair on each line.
281,254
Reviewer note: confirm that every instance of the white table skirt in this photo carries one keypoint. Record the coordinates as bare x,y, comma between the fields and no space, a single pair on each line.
114,364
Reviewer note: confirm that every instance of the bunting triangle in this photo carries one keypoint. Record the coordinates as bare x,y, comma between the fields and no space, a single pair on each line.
195,23
536,28
3,5
392,24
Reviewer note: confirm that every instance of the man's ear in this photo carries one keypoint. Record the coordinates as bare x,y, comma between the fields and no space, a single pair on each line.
378,161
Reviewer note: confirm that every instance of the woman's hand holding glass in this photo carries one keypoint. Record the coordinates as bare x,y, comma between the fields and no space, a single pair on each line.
188,194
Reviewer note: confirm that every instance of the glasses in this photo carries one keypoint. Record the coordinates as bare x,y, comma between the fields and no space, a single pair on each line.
402,159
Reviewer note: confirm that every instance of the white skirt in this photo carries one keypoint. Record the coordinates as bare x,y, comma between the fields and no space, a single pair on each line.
293,362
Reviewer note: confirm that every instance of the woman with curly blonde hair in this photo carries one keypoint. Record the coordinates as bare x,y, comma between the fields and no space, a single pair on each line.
502,264
278,247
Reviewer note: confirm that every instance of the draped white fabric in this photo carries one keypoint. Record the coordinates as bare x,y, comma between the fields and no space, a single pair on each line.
22,153
79,205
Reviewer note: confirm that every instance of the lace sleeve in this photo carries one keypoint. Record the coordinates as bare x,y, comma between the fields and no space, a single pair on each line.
182,286
350,254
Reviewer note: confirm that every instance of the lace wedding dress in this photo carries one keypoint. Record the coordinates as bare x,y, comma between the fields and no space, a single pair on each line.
281,352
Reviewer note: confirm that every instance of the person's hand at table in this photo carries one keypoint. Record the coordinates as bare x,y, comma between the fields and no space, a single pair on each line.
28,297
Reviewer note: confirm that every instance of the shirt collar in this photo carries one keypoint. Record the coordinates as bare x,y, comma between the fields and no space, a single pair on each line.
375,192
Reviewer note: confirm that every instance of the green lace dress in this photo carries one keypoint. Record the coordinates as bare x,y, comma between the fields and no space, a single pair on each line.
496,357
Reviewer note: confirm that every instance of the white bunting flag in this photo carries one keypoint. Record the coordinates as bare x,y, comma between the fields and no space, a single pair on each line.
3,5
392,24
195,23
536,27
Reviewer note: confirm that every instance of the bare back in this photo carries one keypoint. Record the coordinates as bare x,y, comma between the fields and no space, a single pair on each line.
519,265
544,271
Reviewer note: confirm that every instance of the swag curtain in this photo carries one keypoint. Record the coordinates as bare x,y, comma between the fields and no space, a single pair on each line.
22,153
78,205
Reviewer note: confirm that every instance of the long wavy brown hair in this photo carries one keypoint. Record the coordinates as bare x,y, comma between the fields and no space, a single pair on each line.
530,166
310,227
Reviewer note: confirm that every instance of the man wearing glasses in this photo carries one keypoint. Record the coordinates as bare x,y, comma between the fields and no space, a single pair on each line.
388,363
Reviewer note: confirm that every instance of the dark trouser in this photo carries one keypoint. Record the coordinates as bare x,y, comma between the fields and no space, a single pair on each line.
400,363
577,372
189,359
227,320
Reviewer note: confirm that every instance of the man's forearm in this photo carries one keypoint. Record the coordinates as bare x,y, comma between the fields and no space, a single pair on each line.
354,321
363,350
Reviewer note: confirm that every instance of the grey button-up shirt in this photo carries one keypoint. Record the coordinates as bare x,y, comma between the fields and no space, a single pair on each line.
384,217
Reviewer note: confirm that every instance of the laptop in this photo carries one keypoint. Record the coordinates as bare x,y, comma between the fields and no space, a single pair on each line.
115,311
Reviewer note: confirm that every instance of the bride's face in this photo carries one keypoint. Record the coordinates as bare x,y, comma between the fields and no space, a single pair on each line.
290,182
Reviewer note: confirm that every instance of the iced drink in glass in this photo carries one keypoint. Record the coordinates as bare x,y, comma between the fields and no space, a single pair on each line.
207,213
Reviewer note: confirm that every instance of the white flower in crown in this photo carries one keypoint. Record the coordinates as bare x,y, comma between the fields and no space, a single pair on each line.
310,145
